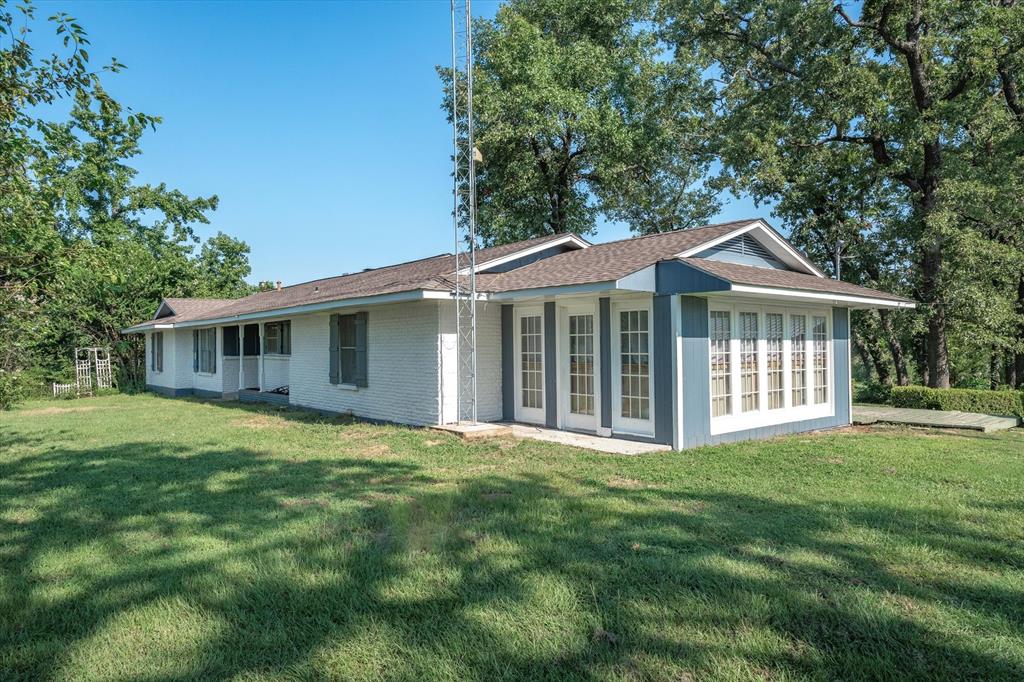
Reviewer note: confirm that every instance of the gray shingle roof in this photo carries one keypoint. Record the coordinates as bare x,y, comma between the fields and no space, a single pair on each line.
604,262
786,279
597,263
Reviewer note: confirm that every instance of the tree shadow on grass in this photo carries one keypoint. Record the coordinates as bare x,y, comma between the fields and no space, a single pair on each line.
353,567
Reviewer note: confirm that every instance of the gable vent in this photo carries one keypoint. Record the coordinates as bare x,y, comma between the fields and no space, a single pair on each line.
745,250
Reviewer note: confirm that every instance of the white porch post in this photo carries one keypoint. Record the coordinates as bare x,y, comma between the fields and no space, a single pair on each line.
241,357
259,368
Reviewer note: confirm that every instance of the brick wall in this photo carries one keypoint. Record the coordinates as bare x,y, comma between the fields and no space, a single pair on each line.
402,365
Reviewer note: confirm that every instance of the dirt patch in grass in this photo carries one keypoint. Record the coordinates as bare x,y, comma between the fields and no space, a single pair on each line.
262,421
42,411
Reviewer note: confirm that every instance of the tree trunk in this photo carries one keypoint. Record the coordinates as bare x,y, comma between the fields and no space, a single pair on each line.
921,358
995,370
899,358
865,357
1018,360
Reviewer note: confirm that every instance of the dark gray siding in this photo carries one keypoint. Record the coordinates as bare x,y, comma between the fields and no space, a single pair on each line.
604,315
696,387
662,345
550,366
508,367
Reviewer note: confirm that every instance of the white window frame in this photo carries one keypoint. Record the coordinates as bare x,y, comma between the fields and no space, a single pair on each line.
570,420
533,415
763,416
629,425
156,359
208,333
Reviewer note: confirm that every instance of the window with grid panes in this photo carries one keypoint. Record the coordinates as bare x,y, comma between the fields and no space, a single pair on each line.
749,390
773,331
820,337
581,364
798,358
531,353
721,366
635,363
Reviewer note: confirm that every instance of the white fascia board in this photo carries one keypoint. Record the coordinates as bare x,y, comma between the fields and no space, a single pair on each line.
400,297
139,329
568,238
815,296
779,247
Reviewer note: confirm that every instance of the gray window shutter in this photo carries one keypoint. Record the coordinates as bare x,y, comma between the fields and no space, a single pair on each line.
195,350
360,376
152,350
335,349
214,361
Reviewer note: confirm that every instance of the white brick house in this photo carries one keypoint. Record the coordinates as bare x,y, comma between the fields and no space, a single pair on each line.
690,337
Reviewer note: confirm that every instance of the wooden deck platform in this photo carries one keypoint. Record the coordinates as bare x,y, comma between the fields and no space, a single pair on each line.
873,414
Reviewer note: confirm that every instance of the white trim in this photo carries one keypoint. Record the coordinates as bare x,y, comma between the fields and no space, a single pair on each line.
818,297
778,246
620,424
536,248
677,373
567,419
532,415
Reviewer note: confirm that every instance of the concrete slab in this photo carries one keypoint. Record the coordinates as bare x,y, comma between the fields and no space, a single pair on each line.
986,423
475,431
616,446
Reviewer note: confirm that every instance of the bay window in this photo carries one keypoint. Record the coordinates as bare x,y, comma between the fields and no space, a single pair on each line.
767,359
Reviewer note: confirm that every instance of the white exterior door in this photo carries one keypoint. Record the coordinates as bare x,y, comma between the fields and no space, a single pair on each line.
529,349
632,371
578,363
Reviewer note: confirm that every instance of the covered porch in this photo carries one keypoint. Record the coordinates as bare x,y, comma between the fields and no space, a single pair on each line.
257,360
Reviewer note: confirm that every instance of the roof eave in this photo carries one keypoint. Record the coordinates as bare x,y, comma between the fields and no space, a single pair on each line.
376,299
853,301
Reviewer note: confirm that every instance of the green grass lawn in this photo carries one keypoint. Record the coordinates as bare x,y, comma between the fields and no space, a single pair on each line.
151,539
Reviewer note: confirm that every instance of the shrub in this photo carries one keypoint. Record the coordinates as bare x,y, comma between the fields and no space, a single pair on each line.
12,388
960,399
871,392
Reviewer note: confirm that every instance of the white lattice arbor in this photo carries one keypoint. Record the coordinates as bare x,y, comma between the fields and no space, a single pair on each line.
92,368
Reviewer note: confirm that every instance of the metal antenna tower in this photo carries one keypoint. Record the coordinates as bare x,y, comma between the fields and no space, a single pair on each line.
464,213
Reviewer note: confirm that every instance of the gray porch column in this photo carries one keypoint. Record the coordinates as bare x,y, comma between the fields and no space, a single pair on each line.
550,366
841,363
604,315
696,427
664,368
508,364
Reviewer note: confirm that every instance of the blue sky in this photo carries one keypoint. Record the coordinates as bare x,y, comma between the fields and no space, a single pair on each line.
318,125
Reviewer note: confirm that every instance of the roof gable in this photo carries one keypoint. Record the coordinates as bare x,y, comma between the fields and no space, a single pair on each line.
768,238
743,250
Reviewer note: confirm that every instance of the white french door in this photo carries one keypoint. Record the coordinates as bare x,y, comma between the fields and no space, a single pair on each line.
529,349
579,380
632,377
